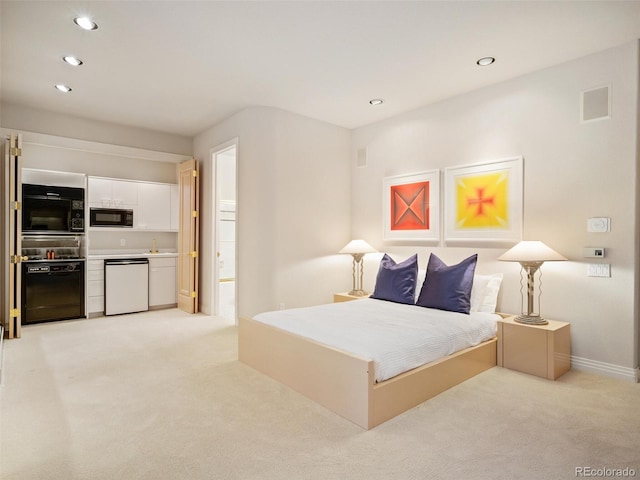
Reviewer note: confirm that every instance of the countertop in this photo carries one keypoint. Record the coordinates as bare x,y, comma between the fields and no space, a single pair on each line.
103,255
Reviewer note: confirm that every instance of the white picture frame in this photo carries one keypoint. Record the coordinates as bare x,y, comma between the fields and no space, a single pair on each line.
483,203
411,207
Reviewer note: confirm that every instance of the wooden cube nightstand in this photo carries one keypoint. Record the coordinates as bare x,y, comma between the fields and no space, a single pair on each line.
345,297
541,350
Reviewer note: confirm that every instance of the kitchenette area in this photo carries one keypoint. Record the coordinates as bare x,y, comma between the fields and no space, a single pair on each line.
94,246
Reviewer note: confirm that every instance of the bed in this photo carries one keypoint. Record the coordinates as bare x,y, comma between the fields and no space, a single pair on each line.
373,358
355,381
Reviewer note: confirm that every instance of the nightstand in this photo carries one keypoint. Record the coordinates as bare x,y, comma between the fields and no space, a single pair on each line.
345,297
541,350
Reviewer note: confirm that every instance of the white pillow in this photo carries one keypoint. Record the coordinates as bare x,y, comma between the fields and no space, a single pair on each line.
484,292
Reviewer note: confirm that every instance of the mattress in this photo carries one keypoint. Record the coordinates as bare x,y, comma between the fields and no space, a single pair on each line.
396,337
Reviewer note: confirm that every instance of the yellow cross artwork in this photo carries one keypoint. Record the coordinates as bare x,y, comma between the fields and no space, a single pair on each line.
482,201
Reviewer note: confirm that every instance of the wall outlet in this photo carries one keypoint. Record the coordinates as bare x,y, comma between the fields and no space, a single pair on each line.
123,242
281,306
599,270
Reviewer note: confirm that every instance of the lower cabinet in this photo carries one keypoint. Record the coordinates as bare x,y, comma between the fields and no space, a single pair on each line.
162,282
95,288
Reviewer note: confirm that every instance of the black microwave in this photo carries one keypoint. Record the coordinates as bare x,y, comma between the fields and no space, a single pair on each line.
110,217
49,209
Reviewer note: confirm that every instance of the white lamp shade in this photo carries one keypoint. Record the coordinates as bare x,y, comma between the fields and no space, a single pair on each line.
531,251
358,246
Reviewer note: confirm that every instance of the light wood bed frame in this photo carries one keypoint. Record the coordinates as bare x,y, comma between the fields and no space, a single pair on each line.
345,383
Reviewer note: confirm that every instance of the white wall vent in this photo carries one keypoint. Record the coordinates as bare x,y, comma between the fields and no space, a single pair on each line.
362,157
595,104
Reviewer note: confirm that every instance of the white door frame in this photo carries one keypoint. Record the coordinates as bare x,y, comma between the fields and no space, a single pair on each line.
215,207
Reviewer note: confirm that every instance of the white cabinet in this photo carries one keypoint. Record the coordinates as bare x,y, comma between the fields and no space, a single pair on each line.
125,193
162,282
175,208
107,192
100,192
154,207
95,287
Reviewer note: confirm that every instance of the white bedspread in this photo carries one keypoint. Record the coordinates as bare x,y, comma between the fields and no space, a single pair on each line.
396,337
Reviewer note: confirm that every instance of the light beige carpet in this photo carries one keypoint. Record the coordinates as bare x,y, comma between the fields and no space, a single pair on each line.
162,396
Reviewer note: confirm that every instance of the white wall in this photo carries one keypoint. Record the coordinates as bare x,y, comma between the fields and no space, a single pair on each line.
52,123
293,208
572,171
97,164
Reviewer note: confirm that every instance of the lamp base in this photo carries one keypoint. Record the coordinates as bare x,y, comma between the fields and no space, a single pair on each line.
358,293
531,320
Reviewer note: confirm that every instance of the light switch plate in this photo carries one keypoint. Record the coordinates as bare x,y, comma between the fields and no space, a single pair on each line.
599,224
599,270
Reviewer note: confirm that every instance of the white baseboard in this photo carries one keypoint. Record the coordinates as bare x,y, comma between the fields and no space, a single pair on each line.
608,369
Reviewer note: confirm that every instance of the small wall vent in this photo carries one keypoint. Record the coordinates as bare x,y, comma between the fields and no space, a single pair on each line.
595,104
362,157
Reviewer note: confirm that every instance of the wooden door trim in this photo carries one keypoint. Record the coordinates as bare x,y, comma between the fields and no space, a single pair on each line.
13,254
188,236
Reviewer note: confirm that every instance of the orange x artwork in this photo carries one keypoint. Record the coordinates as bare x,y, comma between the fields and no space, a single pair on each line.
410,206
482,201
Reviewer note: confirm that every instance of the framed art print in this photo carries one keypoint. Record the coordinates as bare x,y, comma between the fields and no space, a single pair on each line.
411,209
484,202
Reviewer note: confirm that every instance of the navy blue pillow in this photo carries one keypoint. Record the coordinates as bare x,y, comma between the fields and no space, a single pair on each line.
448,287
396,282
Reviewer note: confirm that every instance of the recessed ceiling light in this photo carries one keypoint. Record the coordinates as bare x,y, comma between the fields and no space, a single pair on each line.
484,61
376,101
85,23
72,60
63,88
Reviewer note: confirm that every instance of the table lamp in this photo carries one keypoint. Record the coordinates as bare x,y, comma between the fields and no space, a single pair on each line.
531,255
357,248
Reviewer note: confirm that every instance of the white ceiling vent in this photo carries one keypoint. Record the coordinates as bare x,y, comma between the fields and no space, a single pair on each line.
595,104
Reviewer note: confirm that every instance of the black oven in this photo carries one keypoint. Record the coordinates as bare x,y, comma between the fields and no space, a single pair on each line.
52,290
47,209
110,217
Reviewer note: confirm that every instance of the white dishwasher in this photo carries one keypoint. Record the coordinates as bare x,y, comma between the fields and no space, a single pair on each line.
126,285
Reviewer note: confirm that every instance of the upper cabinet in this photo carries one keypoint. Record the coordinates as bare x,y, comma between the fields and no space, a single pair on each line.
111,193
154,205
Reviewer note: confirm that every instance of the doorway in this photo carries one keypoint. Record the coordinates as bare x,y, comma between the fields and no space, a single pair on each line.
225,227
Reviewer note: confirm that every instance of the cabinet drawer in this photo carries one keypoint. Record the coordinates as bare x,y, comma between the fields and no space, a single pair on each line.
95,275
162,262
95,304
95,288
95,265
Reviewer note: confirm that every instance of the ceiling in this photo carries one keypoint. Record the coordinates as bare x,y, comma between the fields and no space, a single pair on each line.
183,66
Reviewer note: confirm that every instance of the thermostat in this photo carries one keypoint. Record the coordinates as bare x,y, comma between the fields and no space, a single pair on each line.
599,224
